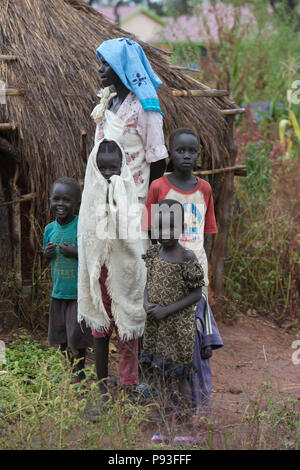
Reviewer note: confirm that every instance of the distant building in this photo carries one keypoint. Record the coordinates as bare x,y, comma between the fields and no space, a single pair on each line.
136,20
194,31
201,26
189,35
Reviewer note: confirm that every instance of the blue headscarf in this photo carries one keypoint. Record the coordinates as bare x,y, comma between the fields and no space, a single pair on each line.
130,63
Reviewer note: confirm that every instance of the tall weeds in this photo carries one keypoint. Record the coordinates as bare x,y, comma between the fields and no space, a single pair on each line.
39,409
263,250
250,55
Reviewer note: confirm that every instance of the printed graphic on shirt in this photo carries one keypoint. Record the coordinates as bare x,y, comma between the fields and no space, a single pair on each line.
192,218
63,266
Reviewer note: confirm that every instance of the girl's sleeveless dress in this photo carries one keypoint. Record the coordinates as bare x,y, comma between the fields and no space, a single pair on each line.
168,344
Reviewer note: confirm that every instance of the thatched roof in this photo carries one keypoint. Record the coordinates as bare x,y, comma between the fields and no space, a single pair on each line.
57,71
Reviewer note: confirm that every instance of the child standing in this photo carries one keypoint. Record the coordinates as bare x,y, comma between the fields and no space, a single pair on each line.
196,196
112,275
174,282
60,248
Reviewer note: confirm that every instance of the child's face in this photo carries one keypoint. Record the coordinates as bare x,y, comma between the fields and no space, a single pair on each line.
109,163
184,152
168,226
63,202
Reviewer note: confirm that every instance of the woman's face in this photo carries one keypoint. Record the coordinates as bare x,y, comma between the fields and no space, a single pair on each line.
107,74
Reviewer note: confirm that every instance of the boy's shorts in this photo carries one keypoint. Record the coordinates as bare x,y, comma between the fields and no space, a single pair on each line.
63,326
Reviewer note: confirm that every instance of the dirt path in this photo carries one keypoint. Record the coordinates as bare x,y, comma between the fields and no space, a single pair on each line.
255,351
252,348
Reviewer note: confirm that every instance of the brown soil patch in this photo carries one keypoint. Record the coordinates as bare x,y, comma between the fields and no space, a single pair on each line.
255,352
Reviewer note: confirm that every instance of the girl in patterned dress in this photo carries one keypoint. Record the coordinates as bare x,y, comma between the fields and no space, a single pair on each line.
174,285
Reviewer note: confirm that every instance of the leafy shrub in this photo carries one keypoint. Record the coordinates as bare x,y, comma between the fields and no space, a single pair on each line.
257,183
261,266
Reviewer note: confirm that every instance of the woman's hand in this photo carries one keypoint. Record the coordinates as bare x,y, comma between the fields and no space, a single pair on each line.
69,250
50,250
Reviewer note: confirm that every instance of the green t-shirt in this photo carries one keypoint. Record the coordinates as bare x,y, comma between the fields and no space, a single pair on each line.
64,270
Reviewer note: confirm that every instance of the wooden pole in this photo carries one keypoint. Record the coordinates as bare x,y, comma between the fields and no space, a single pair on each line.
228,112
7,126
223,214
83,145
162,51
5,243
24,198
8,57
238,170
16,230
209,93
10,92
31,215
184,69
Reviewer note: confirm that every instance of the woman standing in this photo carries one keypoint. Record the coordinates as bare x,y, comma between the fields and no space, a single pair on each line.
129,110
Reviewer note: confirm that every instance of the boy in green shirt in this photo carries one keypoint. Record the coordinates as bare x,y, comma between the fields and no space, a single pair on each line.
60,248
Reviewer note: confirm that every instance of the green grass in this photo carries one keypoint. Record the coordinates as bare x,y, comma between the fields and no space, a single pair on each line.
39,410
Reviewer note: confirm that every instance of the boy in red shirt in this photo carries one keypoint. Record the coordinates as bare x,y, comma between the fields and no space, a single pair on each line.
194,193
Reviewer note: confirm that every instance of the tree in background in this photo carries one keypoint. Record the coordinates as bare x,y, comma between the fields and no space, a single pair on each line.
253,54
288,11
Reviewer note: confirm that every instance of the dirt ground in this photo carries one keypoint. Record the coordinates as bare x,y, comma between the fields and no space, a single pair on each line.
255,351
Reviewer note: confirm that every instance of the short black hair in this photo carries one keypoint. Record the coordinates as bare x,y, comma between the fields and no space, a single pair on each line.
182,130
109,146
70,182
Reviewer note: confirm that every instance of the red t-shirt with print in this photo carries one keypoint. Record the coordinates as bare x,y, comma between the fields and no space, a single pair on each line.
199,214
